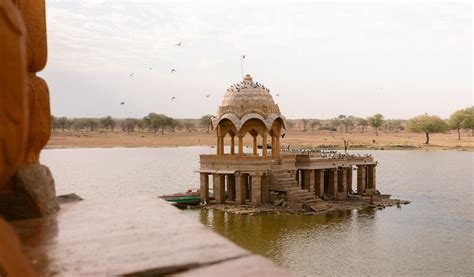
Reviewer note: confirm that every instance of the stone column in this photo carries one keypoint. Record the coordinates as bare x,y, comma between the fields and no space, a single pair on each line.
371,181
241,146
219,188
319,183
204,188
256,189
264,145
232,145
230,187
277,149
240,188
255,146
265,189
333,182
309,180
297,177
342,183
361,179
349,179
273,146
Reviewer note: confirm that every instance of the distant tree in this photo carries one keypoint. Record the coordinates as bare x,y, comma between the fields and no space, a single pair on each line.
335,123
393,124
187,124
206,122
468,122
129,124
456,121
305,122
313,123
91,124
363,123
108,123
427,124
64,123
376,121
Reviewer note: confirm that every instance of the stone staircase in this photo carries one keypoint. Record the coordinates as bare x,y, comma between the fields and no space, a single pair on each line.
281,180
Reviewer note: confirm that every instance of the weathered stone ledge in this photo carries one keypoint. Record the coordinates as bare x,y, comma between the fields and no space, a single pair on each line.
133,237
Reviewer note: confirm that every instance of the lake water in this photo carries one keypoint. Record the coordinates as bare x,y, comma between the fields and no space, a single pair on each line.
432,236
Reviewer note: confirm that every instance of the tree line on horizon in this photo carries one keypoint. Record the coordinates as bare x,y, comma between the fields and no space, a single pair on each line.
154,122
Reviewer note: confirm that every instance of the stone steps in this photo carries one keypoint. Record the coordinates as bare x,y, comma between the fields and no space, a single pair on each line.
298,197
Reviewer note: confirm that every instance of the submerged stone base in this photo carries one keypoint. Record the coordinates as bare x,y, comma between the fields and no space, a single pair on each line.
354,202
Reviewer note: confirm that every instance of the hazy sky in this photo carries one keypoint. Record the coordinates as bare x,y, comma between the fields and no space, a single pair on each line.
324,59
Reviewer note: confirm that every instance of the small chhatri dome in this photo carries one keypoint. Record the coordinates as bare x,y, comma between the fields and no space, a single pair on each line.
248,97
248,100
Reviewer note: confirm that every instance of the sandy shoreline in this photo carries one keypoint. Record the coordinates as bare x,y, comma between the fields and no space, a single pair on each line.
296,139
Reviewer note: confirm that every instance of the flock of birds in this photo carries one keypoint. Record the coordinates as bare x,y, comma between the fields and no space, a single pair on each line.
234,87
173,71
327,154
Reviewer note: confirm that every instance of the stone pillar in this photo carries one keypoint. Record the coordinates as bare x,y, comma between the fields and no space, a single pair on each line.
309,180
333,182
240,188
219,188
265,189
255,146
277,149
256,189
349,179
342,183
204,188
232,145
273,146
361,179
319,183
241,146
297,177
230,187
264,145
371,180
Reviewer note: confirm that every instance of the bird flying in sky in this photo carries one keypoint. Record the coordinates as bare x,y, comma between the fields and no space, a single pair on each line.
149,68
178,44
173,70
122,103
207,95
277,94
131,74
173,98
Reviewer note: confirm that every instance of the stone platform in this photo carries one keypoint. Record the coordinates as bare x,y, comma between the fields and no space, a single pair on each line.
136,237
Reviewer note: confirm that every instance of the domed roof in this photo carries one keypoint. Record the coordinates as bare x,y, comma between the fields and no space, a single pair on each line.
248,97
248,100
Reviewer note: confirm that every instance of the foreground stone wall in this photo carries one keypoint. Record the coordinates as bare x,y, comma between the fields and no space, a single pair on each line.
26,187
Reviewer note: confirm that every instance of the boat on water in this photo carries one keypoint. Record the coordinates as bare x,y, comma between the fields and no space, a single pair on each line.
190,197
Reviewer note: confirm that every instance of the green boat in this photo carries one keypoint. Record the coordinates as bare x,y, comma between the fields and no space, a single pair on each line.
189,197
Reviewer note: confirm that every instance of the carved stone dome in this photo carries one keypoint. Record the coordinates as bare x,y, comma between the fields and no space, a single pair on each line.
248,97
248,100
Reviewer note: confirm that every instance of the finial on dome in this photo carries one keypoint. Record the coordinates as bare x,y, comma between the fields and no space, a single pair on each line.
247,77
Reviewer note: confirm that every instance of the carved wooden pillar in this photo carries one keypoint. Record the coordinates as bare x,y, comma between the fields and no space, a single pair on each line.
264,145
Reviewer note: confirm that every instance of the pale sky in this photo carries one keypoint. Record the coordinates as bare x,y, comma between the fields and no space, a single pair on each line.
324,59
